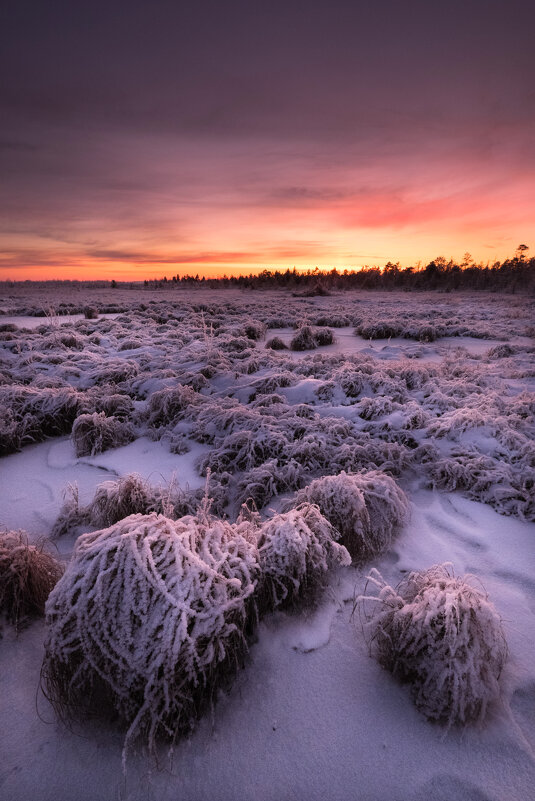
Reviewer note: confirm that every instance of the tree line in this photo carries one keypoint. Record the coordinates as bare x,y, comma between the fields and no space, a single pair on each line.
516,274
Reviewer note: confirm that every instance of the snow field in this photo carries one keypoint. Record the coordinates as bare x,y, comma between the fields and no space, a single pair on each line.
443,406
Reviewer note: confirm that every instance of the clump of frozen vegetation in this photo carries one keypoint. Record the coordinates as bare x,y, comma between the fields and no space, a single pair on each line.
170,405
28,573
308,338
95,433
304,339
367,509
324,336
440,634
131,494
29,414
149,620
262,483
276,343
152,614
295,551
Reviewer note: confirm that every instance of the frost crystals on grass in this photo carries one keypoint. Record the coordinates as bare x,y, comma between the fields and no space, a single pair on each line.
367,509
441,635
148,621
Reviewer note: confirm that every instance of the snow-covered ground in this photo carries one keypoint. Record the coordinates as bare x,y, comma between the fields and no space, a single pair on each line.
311,716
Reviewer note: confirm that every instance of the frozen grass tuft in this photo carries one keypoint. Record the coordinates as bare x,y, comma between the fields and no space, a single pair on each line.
170,405
28,573
304,339
95,433
440,634
324,336
117,499
296,549
148,621
276,343
131,494
367,509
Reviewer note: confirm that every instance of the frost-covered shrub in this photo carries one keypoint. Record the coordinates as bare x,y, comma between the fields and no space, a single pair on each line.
427,333
65,339
383,329
279,322
243,450
453,423
265,401
148,621
415,375
325,391
508,488
262,483
271,382
114,405
130,494
95,433
235,344
130,344
28,573
116,499
351,380
254,330
372,408
12,432
30,415
276,343
323,336
113,371
295,551
170,405
367,509
334,320
500,352
440,634
304,339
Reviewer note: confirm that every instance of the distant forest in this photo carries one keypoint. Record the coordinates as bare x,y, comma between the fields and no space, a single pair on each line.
516,274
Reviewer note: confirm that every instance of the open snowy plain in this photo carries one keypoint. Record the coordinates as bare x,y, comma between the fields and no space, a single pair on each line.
233,396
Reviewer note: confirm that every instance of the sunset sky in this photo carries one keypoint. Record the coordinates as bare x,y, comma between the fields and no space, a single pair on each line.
145,139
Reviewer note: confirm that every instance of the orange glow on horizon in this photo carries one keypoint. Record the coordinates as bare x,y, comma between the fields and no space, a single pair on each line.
328,218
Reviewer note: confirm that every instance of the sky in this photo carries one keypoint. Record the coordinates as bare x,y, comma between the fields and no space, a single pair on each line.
142,139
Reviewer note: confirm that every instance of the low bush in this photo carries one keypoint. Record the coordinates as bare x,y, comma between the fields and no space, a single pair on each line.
95,433
324,336
440,634
295,551
148,621
304,339
28,573
276,343
367,509
254,330
170,405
